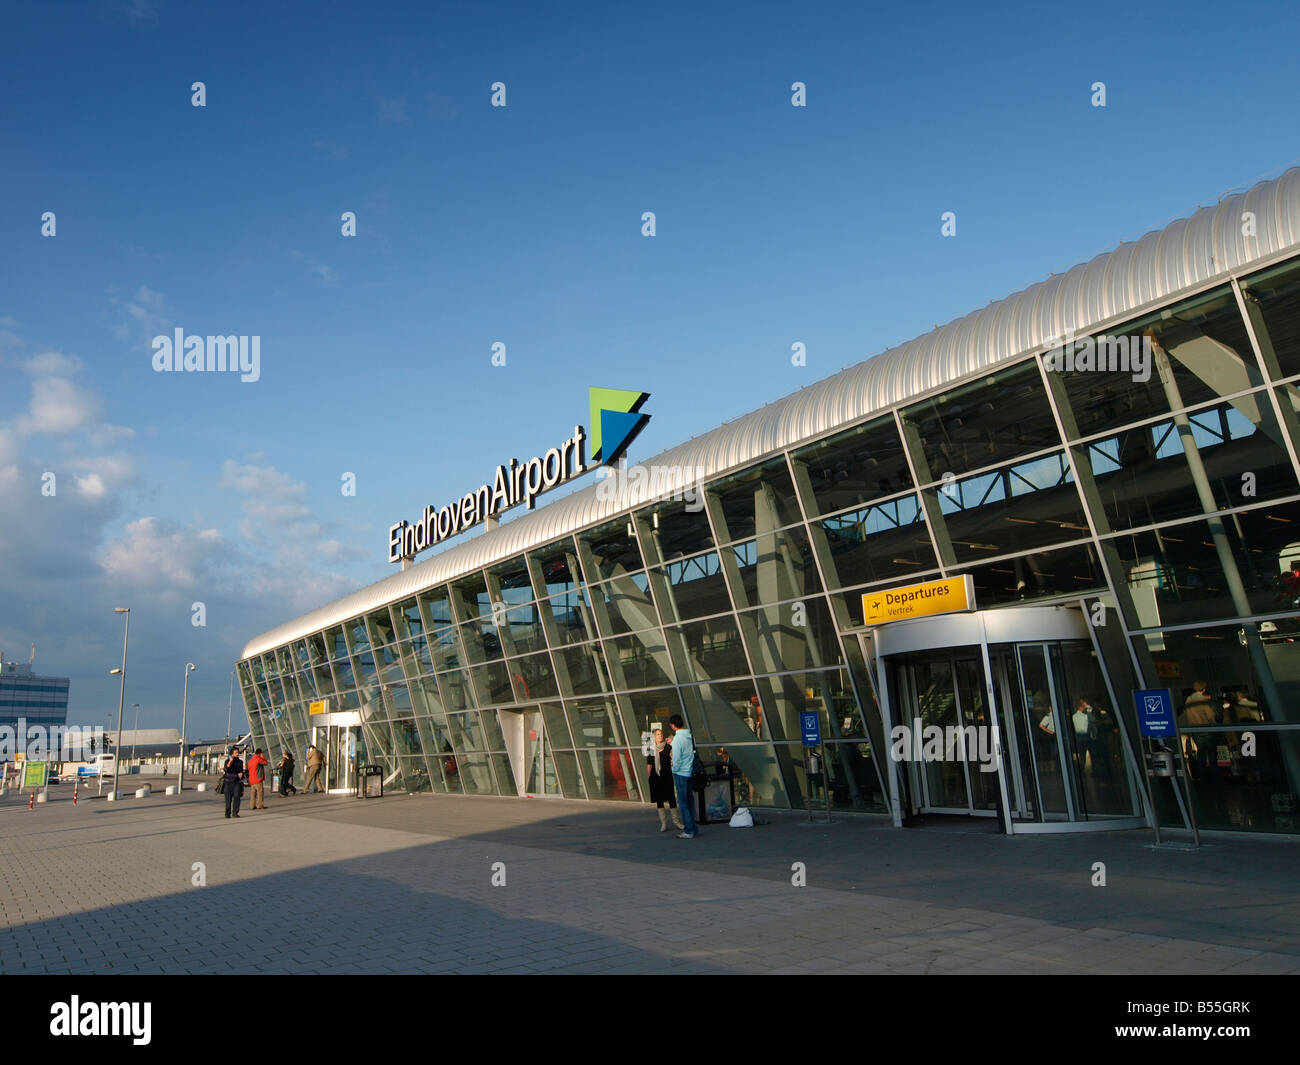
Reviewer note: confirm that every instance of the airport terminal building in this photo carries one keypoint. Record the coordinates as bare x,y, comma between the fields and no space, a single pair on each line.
1107,464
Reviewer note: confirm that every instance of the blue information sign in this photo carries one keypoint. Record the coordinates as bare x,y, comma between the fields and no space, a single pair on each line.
1155,711
812,728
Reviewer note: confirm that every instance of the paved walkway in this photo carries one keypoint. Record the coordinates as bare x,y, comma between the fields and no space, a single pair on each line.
404,884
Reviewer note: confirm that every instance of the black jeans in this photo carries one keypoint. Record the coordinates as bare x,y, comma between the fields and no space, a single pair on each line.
234,793
286,784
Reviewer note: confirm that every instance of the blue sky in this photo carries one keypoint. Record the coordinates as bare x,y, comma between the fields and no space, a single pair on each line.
522,224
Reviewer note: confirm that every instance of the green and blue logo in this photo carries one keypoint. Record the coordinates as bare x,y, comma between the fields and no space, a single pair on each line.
616,420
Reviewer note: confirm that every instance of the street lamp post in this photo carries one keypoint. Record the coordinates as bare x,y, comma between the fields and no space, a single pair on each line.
230,706
135,729
121,699
185,702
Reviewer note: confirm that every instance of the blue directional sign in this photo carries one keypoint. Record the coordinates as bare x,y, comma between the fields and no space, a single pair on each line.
810,721
1155,711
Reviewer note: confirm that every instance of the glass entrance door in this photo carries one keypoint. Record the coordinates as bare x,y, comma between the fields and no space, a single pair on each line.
341,758
539,762
951,761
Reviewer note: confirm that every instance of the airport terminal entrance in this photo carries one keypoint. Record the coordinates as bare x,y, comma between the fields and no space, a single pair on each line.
1004,714
343,746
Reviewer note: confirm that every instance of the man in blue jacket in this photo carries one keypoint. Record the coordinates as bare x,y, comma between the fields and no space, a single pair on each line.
683,761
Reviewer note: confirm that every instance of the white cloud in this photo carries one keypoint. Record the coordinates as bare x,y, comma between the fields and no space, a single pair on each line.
90,485
51,364
154,552
57,407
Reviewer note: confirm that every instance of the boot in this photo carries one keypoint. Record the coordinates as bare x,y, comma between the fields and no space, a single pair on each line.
663,819
677,820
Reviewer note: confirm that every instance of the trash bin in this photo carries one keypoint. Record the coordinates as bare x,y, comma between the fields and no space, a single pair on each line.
717,798
370,782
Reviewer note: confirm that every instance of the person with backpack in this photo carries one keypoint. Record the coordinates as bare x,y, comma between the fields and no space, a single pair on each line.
683,764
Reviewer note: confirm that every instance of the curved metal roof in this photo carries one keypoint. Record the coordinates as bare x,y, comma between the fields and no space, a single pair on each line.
1163,265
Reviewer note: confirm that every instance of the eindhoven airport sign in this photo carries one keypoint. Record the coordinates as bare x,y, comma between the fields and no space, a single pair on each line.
615,422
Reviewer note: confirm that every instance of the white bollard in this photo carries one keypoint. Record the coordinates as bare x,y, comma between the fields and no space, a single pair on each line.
201,787
111,796
42,797
143,793
171,789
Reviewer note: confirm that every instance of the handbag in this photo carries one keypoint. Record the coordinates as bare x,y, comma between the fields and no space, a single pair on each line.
221,785
698,773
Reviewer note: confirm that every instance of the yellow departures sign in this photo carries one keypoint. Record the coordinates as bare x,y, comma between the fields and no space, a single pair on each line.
919,600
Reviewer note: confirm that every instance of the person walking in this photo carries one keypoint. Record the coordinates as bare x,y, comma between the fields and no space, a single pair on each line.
233,782
682,762
662,789
315,763
257,778
286,774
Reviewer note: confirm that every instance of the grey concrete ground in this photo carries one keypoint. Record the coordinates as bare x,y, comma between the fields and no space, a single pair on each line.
404,884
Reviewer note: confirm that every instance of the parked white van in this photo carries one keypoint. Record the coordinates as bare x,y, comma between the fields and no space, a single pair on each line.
106,764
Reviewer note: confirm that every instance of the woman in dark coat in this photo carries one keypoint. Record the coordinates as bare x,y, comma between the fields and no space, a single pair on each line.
660,761
233,781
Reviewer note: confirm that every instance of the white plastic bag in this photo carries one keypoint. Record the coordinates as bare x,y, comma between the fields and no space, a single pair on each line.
742,818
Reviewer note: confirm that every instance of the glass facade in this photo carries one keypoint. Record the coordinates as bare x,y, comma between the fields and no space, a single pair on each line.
1162,498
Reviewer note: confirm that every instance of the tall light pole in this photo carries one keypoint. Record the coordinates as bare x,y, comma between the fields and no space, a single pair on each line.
121,699
185,702
230,706
135,730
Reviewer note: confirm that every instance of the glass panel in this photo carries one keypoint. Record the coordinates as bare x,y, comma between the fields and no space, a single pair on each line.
511,582
492,684
566,768
1176,574
983,423
379,626
784,698
406,619
1241,783
1204,343
469,597
728,712
1064,571
649,708
610,551
482,644
474,774
640,661
1276,294
358,639
758,775
445,648
610,774
435,608
695,587
454,687
559,566
557,728
790,636
1014,509
572,616
523,630
624,605
1144,474
885,541
1217,678
582,670
849,776
936,705
595,722
1092,733
854,466
533,677
709,650
759,498
775,567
